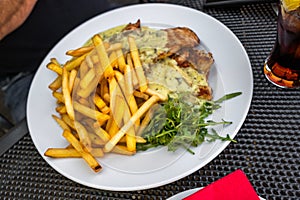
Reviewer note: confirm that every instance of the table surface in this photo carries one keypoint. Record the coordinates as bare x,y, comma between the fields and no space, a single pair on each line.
267,148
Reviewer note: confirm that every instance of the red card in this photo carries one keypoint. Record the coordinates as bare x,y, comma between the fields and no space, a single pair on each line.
234,186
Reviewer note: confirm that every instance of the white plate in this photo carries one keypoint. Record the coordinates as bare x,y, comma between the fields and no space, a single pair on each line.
184,194
230,73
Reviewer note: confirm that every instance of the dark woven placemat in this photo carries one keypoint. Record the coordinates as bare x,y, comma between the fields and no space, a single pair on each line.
268,147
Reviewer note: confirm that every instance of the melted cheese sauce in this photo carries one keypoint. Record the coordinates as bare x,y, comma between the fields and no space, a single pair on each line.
147,39
166,77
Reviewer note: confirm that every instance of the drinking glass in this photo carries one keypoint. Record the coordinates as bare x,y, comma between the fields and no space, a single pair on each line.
282,66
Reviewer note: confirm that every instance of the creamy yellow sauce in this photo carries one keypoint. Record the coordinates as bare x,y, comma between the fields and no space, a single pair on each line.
165,76
147,39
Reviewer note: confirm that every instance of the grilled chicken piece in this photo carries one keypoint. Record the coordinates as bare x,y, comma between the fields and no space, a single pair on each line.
198,59
181,44
180,37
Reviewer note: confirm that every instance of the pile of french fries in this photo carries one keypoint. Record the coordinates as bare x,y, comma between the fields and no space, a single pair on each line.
103,101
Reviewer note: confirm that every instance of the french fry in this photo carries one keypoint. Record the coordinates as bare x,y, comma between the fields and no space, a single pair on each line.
61,109
95,58
61,123
121,60
106,97
84,138
138,139
72,78
108,123
120,149
99,102
113,59
163,97
96,39
67,94
88,124
114,140
54,67
97,152
104,60
56,84
59,97
75,87
68,121
148,116
86,92
141,95
83,69
71,153
114,126
62,153
117,104
135,81
91,161
89,112
89,61
126,90
130,134
96,140
128,80
80,51
114,90
108,47
74,63
137,64
117,107
121,82
129,90
102,134
55,61
87,79
84,102
90,80
113,47
104,90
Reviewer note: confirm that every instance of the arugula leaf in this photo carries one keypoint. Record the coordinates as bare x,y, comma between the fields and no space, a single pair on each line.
180,123
227,97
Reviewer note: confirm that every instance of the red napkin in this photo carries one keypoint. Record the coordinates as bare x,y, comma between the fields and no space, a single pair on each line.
234,186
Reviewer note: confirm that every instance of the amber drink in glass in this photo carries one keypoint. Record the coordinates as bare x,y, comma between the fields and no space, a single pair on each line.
282,67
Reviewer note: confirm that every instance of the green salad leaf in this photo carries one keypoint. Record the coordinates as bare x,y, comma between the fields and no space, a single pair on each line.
179,122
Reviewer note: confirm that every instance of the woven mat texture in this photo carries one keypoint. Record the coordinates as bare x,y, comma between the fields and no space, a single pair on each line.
267,148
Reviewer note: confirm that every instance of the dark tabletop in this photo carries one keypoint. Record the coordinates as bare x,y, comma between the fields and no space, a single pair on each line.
267,148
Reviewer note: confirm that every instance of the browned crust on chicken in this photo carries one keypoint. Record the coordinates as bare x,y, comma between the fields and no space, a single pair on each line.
180,37
134,26
198,59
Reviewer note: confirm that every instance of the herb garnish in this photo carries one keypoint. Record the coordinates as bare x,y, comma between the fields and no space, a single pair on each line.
180,123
